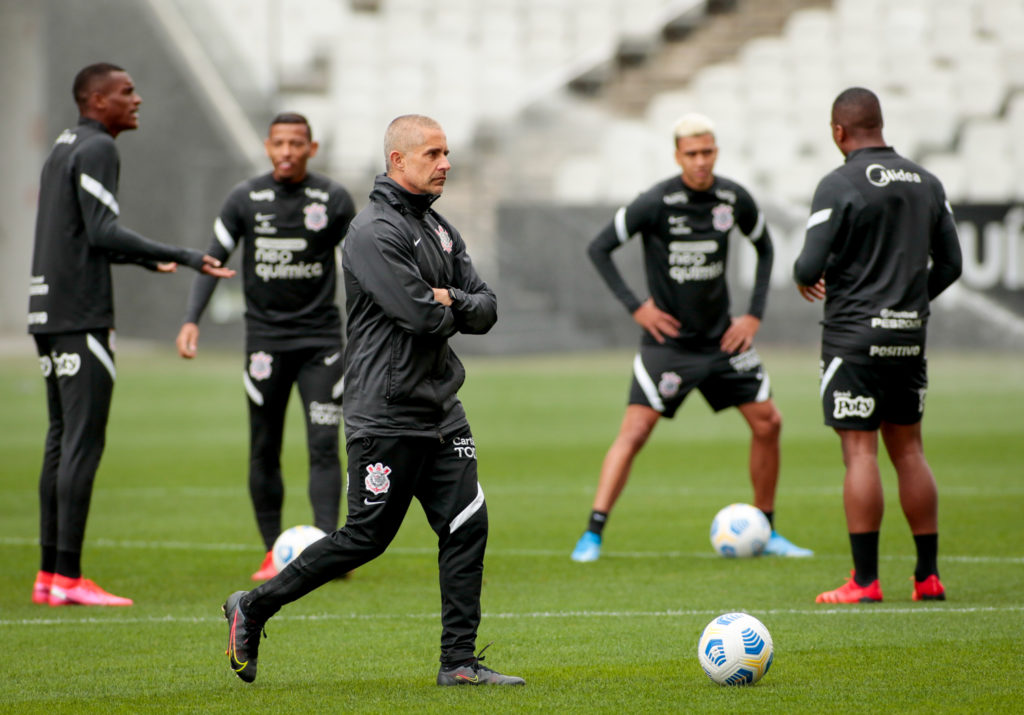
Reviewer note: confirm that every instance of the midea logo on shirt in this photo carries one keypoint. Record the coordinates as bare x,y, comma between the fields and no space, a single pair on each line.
878,175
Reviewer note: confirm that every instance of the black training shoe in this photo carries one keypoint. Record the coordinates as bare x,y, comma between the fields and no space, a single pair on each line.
243,638
475,673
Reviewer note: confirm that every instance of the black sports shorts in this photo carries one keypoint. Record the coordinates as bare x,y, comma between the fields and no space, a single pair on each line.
860,397
664,375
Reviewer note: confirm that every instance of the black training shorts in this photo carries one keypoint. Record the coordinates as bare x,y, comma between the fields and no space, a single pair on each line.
664,375
862,396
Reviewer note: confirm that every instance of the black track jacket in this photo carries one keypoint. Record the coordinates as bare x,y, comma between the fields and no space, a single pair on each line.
882,233
401,376
78,235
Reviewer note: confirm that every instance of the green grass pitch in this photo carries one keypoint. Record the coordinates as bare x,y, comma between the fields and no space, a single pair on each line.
171,526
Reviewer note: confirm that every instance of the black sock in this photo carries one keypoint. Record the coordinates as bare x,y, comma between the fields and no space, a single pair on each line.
770,515
865,557
48,563
597,521
927,556
69,564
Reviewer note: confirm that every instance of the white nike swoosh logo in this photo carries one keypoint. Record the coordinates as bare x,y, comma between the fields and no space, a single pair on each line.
417,242
331,359
371,503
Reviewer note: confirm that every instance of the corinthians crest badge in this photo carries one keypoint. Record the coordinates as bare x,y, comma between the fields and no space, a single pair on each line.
377,478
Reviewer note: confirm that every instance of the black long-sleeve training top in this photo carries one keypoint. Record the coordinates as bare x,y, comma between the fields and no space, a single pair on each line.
685,236
78,235
875,224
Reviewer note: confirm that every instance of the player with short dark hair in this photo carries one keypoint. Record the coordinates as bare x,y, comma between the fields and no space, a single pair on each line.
290,222
876,223
71,317
409,286
689,339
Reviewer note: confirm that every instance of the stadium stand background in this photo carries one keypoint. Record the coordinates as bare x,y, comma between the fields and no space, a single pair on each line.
557,111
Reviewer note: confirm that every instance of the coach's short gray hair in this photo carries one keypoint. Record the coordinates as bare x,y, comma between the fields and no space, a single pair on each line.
405,133
693,125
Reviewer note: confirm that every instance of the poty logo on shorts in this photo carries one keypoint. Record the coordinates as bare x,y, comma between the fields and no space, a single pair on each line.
46,365
845,405
377,478
260,365
669,384
66,364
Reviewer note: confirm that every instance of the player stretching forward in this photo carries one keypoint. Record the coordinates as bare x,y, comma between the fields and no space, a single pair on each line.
875,224
689,339
290,222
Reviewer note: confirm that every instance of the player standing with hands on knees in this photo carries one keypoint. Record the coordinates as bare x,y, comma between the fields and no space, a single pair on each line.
689,339
290,222
71,318
876,222
409,286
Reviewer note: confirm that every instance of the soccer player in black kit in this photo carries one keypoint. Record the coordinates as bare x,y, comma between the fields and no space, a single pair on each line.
689,339
289,222
71,318
876,222
409,286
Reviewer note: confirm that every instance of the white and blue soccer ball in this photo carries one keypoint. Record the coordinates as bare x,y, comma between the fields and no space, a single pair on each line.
291,542
740,531
735,649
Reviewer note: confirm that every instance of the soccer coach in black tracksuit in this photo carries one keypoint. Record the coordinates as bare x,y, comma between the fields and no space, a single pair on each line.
71,317
409,286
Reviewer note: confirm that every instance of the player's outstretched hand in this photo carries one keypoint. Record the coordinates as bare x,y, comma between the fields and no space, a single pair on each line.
814,292
188,340
740,335
212,267
656,321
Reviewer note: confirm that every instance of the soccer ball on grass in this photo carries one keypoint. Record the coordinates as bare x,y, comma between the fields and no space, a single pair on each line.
740,530
735,649
291,542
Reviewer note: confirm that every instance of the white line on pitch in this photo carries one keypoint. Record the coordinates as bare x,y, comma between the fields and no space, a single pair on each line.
866,610
408,550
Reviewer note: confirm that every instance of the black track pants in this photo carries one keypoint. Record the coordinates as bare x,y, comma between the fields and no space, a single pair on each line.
385,473
79,373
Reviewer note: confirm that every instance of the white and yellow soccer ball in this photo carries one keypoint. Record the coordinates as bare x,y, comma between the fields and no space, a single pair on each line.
740,531
291,542
735,649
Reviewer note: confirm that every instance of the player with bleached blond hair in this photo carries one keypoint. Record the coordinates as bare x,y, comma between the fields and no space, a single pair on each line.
689,338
